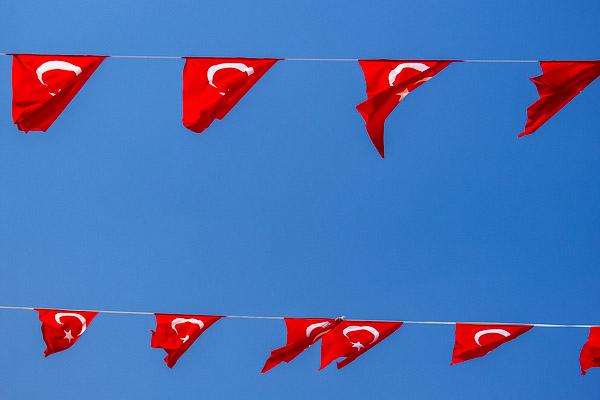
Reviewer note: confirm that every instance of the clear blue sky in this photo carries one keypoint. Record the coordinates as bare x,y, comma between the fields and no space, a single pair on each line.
285,208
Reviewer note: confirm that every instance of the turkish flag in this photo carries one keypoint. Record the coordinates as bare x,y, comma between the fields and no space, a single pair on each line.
175,333
301,334
590,352
43,86
388,83
213,86
62,328
474,340
351,339
559,83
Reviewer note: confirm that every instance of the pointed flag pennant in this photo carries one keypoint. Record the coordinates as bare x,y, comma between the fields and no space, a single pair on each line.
351,339
474,340
590,352
388,83
301,334
213,86
62,328
559,83
43,86
175,333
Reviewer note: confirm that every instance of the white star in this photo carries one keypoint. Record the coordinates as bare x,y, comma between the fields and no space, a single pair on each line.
68,336
402,94
358,346
185,339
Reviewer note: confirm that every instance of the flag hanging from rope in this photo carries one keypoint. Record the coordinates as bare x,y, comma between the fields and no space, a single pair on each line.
62,328
351,339
176,333
388,83
213,86
559,83
301,334
44,85
590,353
475,340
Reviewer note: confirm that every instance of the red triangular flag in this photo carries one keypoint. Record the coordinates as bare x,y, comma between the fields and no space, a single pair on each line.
474,340
559,83
301,334
351,339
62,328
388,83
175,333
212,86
43,86
590,352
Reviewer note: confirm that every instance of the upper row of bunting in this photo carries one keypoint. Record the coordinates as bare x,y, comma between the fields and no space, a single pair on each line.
43,86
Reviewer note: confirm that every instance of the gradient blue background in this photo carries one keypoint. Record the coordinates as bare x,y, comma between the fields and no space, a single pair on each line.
285,208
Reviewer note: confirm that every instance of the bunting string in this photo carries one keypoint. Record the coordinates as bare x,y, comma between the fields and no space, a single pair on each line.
38,99
121,312
206,97
314,59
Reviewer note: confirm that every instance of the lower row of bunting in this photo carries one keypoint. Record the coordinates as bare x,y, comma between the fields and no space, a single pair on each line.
340,338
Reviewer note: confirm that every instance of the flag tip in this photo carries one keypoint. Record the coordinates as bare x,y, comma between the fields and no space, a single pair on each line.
525,133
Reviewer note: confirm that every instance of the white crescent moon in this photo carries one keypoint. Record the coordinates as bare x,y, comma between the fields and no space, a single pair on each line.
210,74
396,71
80,317
178,321
312,327
367,328
479,334
55,64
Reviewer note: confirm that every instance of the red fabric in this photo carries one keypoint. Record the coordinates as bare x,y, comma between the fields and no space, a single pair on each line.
175,333
62,328
301,334
43,86
559,83
351,339
473,340
213,86
388,83
590,352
